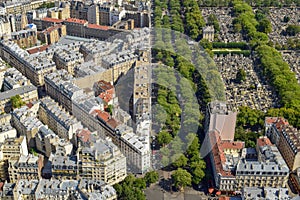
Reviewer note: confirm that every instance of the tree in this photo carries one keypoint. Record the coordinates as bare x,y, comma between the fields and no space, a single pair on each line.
212,20
139,183
264,26
151,177
177,145
286,19
16,101
197,170
194,148
205,44
292,30
240,76
181,178
109,109
131,188
164,138
179,160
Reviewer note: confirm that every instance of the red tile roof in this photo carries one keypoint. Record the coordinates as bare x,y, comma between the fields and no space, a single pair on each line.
47,19
95,26
84,135
1,186
38,49
232,145
112,123
263,141
74,20
272,120
105,116
218,147
104,85
51,28
106,96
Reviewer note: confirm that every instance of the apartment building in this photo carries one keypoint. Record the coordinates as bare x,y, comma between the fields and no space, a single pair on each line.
5,30
52,34
141,18
14,79
119,62
34,66
26,123
22,6
286,138
27,93
89,110
10,148
88,73
58,189
6,130
59,13
20,21
59,87
25,38
142,89
13,147
63,167
79,10
46,22
60,121
250,193
44,139
269,170
67,59
135,147
224,158
25,189
96,189
221,117
101,160
25,167
93,14
105,91
95,50
104,14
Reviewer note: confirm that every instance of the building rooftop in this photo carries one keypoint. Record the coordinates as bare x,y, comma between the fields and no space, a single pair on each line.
95,26
222,119
17,91
26,187
78,21
224,163
266,193
58,113
87,68
102,150
139,143
95,189
53,20
13,79
54,188
28,118
269,160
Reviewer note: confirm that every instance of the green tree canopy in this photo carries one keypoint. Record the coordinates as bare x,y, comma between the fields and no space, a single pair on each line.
164,138
16,101
240,76
179,160
181,178
151,177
